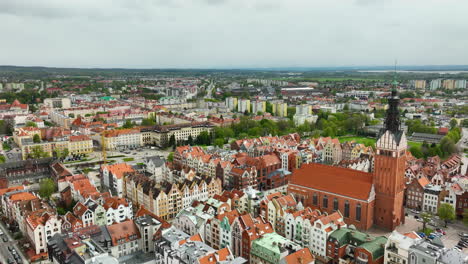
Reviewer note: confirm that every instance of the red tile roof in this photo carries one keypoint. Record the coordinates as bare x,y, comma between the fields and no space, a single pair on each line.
303,256
343,181
123,232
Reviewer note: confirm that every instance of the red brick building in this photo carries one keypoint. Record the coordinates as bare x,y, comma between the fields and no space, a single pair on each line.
414,193
363,198
330,189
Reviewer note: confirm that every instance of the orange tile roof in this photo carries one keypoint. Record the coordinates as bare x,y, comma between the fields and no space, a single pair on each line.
302,256
79,138
127,231
216,257
195,237
114,202
11,189
119,169
343,181
24,196
423,181
412,235
38,217
118,132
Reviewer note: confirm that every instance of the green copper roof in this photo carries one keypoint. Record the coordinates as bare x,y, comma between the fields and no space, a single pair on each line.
375,245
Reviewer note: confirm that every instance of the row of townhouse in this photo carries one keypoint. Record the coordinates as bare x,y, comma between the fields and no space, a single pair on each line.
166,199
129,240
106,211
253,239
51,140
433,182
33,217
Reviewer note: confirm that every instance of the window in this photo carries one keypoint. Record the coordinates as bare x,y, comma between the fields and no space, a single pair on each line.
325,202
358,212
315,199
335,204
346,209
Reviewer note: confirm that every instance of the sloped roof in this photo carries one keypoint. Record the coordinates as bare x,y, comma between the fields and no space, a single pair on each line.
343,181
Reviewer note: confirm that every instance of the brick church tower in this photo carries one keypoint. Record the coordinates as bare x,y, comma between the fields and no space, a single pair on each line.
389,170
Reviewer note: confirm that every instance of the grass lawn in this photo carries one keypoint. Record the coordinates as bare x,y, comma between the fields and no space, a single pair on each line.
363,140
371,141
128,159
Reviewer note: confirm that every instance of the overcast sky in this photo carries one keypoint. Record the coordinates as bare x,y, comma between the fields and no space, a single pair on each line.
232,33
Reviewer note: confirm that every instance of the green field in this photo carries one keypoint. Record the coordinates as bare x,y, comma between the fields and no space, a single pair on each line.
371,141
325,79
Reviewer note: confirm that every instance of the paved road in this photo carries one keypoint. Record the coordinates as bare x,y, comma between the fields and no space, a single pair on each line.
411,224
4,252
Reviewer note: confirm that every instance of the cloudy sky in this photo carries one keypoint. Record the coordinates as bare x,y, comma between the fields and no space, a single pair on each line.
232,33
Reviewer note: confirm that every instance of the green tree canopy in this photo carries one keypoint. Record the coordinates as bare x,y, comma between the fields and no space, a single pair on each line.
30,124
170,157
46,188
426,218
36,138
446,212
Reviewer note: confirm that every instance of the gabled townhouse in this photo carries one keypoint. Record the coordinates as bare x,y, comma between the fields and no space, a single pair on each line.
41,225
415,193
98,212
242,177
84,214
113,177
117,210
274,207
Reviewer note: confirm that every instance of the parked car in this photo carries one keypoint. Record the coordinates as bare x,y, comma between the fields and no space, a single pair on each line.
416,217
5,239
463,234
421,234
431,236
441,231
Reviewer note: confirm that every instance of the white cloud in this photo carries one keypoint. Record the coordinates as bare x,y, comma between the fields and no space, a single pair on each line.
232,33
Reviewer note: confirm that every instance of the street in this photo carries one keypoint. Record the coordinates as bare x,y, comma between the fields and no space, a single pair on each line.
5,253
411,224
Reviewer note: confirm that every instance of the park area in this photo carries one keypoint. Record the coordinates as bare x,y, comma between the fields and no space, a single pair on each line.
368,141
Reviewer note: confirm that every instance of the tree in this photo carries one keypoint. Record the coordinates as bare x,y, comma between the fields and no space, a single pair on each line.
453,123
2,159
190,140
172,141
416,151
426,217
446,212
46,188
38,152
148,122
30,124
218,142
36,138
128,124
170,157
65,153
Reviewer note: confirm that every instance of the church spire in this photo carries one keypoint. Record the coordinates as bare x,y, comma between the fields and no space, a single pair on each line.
392,120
